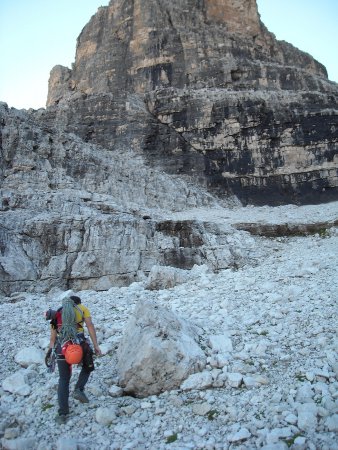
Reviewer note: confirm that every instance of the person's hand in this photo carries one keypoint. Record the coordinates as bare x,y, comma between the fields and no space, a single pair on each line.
97,350
47,357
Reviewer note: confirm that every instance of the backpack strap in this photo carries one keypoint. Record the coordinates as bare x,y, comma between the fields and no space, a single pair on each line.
79,324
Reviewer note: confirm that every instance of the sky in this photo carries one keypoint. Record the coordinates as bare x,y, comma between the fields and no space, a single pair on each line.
36,35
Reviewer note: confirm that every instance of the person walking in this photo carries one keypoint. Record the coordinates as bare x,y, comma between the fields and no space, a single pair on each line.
67,327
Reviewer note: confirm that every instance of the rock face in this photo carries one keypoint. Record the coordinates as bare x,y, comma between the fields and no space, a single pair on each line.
169,105
73,215
157,351
201,88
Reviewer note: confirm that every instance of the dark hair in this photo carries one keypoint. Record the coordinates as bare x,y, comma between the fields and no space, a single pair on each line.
75,299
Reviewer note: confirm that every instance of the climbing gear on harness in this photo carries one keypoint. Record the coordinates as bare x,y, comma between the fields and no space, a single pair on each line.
50,360
88,356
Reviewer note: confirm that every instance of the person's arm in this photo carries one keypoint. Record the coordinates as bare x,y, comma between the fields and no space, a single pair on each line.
53,336
92,334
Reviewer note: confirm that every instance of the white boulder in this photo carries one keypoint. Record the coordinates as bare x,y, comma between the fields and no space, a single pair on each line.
157,351
241,435
30,355
17,383
105,416
234,379
200,380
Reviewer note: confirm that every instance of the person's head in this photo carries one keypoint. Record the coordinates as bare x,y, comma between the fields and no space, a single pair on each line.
75,299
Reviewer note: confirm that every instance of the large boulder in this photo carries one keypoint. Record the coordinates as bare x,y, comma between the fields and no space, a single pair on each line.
158,351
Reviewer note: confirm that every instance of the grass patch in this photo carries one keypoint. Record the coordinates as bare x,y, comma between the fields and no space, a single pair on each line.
323,232
263,333
172,438
300,377
46,406
249,362
292,439
212,414
259,415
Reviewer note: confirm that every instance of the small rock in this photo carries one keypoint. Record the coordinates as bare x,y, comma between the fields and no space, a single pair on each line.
19,444
201,409
291,419
107,347
331,423
235,379
241,435
129,409
307,417
200,380
277,446
277,434
300,441
220,343
105,416
115,391
12,433
66,443
255,381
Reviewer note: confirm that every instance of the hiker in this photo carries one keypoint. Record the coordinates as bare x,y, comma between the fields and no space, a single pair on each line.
66,330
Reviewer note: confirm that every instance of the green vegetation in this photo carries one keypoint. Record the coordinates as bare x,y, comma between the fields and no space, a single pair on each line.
46,406
323,232
212,414
172,438
291,440
262,333
300,377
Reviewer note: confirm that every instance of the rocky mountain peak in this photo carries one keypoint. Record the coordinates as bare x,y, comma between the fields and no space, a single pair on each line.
141,46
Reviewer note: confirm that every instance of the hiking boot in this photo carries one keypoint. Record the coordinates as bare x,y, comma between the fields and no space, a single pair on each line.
61,419
81,396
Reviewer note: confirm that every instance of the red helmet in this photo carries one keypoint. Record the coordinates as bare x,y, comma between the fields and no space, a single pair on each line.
73,353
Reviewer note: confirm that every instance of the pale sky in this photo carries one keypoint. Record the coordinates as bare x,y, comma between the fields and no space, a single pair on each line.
36,35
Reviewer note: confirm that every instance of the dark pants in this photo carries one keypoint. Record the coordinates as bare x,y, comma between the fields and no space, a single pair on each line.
65,373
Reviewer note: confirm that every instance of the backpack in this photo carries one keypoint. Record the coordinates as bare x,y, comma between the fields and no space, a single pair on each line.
55,318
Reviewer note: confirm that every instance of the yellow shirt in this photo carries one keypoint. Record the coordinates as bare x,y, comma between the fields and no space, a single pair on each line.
81,313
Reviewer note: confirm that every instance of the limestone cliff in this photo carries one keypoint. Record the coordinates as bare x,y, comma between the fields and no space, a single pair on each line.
169,105
74,215
225,102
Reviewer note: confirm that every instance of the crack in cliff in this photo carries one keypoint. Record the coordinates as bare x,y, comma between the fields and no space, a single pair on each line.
169,127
